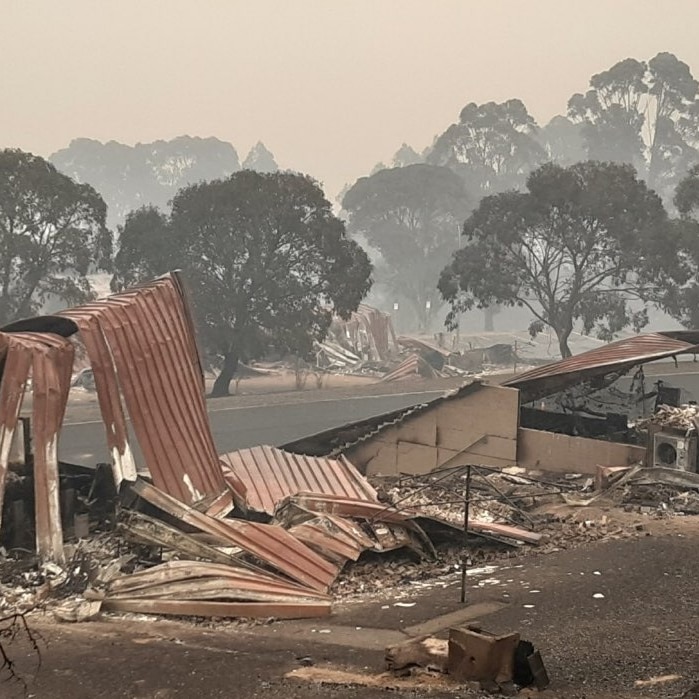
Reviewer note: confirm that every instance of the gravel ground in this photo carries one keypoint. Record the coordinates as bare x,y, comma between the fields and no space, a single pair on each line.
644,626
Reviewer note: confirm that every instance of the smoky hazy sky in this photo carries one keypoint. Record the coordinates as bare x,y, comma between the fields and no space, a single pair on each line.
330,86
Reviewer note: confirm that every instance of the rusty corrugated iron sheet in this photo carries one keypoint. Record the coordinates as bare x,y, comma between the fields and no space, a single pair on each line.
414,365
50,360
52,363
617,356
16,365
141,345
270,544
269,475
195,580
368,332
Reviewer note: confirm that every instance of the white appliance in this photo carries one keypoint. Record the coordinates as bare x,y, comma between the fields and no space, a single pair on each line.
675,451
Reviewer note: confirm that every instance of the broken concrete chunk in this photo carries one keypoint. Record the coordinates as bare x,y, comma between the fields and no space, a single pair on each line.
78,610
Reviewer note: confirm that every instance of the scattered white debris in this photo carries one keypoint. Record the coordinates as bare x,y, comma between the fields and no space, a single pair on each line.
404,604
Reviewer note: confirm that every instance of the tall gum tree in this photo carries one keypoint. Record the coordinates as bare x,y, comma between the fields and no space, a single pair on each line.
412,215
266,260
576,247
52,234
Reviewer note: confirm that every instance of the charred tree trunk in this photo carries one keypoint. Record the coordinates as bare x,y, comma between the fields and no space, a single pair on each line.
222,384
563,336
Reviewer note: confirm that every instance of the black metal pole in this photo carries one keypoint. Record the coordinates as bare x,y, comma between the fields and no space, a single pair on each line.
464,557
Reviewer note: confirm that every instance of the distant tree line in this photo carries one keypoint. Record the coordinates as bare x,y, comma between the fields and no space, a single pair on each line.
640,116
587,222
150,174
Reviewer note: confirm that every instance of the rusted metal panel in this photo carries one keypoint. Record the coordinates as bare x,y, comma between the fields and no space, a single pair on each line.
51,360
615,357
107,388
252,610
208,581
268,543
414,365
329,541
376,512
269,475
17,363
142,345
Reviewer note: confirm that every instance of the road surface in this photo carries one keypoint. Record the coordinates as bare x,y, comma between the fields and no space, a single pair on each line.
276,424
239,427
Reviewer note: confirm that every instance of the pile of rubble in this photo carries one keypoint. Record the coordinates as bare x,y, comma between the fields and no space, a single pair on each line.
366,345
682,417
256,533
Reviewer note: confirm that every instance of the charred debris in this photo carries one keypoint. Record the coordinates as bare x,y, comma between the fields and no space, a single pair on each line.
278,532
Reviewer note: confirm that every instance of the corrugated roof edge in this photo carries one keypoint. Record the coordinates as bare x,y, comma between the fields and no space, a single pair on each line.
621,355
321,443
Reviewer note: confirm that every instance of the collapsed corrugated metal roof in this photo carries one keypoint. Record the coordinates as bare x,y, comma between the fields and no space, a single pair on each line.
413,365
333,441
49,359
144,360
616,357
270,475
269,544
390,514
423,346
141,344
368,332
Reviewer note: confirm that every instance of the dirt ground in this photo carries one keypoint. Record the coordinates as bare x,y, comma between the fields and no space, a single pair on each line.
605,616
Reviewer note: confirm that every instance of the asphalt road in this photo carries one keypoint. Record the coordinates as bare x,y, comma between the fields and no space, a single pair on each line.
240,427
276,424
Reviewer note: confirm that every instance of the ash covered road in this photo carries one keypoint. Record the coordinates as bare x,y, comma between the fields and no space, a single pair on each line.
240,427
277,423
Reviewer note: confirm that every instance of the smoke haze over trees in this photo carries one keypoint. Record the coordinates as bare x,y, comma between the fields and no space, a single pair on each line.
412,216
637,116
129,177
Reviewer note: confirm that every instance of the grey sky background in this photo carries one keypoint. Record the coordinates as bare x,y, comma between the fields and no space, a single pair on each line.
330,86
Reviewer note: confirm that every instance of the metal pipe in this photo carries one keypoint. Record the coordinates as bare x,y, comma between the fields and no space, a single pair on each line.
464,558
